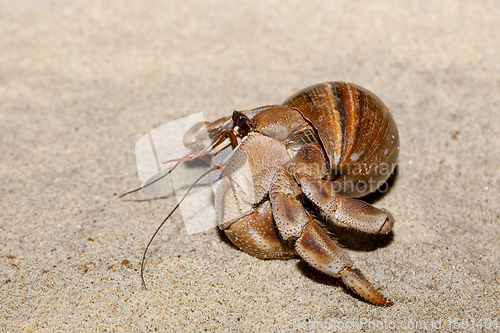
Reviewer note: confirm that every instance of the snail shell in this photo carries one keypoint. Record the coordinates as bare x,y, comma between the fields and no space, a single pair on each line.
357,131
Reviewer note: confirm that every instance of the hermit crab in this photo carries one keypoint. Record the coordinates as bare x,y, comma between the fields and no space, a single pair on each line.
275,167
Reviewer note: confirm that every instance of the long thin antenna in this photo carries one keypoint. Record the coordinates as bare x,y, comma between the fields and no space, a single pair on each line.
231,135
140,188
168,216
190,157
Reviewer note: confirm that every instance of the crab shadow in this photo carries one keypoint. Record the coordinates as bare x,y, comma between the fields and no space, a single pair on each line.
384,188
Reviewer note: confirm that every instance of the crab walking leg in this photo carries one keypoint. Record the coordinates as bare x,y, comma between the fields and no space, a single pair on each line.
311,241
324,254
354,213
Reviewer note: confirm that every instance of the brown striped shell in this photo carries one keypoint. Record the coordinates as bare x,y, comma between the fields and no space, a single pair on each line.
357,132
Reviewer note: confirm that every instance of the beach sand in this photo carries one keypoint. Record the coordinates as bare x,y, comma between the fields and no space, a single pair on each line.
82,82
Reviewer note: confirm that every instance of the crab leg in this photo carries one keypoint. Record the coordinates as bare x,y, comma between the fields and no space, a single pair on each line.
309,170
324,254
354,213
312,243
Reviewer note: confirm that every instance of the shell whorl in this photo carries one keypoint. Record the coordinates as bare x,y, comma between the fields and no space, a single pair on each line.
357,131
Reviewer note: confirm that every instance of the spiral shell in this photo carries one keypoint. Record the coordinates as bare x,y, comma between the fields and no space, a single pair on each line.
357,131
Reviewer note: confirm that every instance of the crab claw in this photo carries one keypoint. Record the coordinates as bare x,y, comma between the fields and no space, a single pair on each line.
354,279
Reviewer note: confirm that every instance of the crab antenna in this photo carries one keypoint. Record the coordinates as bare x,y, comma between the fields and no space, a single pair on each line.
140,188
168,216
218,140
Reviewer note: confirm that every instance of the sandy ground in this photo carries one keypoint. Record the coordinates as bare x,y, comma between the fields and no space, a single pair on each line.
82,81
